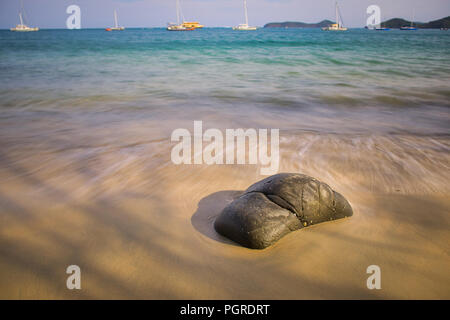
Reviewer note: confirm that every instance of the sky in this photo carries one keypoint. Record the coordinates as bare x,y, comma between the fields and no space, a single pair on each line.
214,13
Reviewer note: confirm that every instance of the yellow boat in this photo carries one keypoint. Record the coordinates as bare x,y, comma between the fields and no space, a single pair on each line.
189,25
185,25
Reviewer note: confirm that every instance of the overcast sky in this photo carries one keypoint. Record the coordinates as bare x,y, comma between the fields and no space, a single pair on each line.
156,13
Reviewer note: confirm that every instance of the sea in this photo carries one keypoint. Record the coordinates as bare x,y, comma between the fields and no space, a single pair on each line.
354,81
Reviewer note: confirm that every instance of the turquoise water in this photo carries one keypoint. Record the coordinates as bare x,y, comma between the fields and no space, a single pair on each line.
362,79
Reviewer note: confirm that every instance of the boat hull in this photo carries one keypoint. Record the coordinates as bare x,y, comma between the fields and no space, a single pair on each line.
334,29
179,28
192,25
245,27
115,29
24,29
14,30
248,29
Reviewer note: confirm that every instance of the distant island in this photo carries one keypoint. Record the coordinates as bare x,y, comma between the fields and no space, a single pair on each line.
292,24
397,23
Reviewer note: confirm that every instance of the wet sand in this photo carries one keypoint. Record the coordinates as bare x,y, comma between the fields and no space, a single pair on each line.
107,198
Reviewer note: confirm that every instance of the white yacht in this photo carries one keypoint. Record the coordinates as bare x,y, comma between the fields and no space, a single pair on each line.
245,26
338,26
116,24
22,27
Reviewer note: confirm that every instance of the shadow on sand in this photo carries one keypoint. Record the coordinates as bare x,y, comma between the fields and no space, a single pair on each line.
207,211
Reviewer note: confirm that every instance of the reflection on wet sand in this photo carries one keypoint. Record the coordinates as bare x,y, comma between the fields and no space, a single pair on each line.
107,198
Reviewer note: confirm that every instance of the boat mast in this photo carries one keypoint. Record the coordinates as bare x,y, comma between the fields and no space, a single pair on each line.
178,12
246,13
116,24
337,15
20,12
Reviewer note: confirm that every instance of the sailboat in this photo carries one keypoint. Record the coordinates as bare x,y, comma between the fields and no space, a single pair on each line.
381,28
184,26
411,27
245,26
116,24
338,26
22,27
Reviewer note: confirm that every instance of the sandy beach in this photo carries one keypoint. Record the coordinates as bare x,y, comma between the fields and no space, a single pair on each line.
141,227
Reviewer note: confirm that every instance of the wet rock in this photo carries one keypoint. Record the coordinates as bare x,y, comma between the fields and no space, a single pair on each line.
278,205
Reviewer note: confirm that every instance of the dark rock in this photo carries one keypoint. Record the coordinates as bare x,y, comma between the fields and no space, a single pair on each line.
278,205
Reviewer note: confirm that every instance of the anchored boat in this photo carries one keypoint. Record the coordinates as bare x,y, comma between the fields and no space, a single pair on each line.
184,26
411,27
195,25
381,28
245,26
22,27
339,25
116,24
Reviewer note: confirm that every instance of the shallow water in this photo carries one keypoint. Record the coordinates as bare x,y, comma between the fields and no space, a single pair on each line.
86,177
356,75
